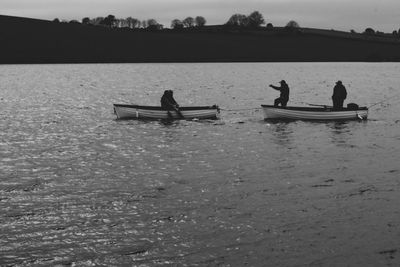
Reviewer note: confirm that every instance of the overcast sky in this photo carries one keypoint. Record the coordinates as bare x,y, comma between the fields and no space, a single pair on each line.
382,15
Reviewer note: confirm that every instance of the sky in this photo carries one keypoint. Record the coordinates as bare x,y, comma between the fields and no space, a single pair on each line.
381,15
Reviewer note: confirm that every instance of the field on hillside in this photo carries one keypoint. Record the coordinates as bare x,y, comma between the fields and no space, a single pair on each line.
38,41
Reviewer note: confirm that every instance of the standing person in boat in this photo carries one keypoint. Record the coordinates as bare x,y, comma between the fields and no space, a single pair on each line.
339,95
168,102
284,97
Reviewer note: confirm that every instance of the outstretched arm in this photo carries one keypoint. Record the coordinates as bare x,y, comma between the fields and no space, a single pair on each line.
275,87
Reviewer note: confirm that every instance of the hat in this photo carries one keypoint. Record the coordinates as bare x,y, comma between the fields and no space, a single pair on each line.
283,81
339,82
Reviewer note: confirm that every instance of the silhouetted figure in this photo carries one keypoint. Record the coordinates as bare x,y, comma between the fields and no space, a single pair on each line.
284,97
339,95
168,102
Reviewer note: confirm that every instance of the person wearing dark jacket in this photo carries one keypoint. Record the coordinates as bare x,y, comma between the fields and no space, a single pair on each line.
168,102
284,97
339,95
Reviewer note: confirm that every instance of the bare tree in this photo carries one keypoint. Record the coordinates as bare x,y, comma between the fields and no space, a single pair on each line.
96,21
136,23
152,24
132,22
129,21
238,20
200,21
86,20
292,24
176,24
255,19
109,21
119,23
188,22
369,31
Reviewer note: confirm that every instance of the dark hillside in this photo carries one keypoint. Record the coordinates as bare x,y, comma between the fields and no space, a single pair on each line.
36,41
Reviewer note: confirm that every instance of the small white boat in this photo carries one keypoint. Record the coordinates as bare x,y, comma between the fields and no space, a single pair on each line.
324,113
156,113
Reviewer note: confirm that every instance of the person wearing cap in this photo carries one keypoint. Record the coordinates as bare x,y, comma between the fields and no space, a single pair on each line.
284,97
339,95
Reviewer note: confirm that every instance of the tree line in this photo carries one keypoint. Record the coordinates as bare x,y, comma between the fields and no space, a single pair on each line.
133,23
370,31
253,20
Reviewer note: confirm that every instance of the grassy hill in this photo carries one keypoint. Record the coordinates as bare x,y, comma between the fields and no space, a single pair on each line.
27,40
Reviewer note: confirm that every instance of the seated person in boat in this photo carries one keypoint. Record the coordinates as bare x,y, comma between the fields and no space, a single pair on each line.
339,95
168,102
284,96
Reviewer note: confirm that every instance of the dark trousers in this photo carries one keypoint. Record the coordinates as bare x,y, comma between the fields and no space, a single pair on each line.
170,108
337,103
281,101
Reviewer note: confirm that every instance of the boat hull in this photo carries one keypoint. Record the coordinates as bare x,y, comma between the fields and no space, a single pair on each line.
311,113
157,113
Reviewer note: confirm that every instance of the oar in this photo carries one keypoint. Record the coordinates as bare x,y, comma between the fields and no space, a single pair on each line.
179,112
316,105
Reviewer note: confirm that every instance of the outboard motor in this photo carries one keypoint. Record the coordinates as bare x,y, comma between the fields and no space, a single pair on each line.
352,106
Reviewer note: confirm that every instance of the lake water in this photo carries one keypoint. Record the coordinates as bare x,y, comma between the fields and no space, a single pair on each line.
80,188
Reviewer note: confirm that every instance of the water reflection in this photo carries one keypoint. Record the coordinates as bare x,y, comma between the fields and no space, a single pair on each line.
339,132
169,135
282,133
167,122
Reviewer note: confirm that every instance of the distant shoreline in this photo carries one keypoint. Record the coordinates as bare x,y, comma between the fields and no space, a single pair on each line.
31,41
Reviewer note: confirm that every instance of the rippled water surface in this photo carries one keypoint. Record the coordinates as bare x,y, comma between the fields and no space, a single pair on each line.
80,188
